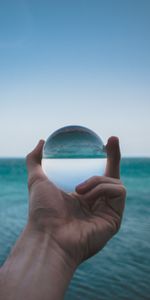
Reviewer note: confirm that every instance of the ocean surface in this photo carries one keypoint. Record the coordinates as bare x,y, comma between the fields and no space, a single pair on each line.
121,271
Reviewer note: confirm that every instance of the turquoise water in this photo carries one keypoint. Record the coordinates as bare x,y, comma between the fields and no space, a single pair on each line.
121,271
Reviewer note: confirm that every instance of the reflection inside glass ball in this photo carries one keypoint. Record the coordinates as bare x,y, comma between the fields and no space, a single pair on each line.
71,155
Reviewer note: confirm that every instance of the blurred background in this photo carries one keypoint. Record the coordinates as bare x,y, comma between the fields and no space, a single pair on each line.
79,62
74,62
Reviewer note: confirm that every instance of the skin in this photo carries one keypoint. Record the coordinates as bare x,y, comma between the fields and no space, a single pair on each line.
62,230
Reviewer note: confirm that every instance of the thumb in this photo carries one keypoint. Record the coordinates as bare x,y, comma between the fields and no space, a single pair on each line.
113,158
33,161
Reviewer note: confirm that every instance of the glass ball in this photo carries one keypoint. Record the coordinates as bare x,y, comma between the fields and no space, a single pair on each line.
71,155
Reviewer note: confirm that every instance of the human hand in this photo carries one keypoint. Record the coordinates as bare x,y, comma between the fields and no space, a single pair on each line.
79,224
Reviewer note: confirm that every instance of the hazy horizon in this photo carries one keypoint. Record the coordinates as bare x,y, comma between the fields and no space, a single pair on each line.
24,157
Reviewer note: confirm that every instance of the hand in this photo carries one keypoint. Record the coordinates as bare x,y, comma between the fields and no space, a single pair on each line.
79,223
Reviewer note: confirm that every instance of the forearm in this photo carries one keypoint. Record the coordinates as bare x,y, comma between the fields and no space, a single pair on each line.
36,269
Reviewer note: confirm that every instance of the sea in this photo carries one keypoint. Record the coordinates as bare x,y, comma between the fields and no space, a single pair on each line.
121,271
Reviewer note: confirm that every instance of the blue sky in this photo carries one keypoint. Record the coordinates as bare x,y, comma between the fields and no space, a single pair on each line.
84,62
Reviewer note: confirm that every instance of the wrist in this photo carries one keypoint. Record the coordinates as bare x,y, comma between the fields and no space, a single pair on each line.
36,261
46,240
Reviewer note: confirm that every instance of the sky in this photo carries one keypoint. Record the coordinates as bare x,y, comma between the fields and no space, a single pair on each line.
67,62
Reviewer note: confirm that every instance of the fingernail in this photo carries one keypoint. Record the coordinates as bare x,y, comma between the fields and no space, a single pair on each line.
40,142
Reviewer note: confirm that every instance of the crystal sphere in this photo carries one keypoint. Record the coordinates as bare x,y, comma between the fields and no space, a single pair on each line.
71,155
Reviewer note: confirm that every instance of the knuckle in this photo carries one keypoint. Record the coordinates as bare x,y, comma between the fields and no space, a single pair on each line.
31,180
35,179
119,181
123,191
114,225
118,225
95,178
102,187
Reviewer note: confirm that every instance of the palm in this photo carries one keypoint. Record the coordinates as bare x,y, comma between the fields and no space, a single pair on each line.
82,227
90,226
81,222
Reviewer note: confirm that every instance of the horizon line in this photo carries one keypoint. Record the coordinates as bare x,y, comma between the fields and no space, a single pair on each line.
124,156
